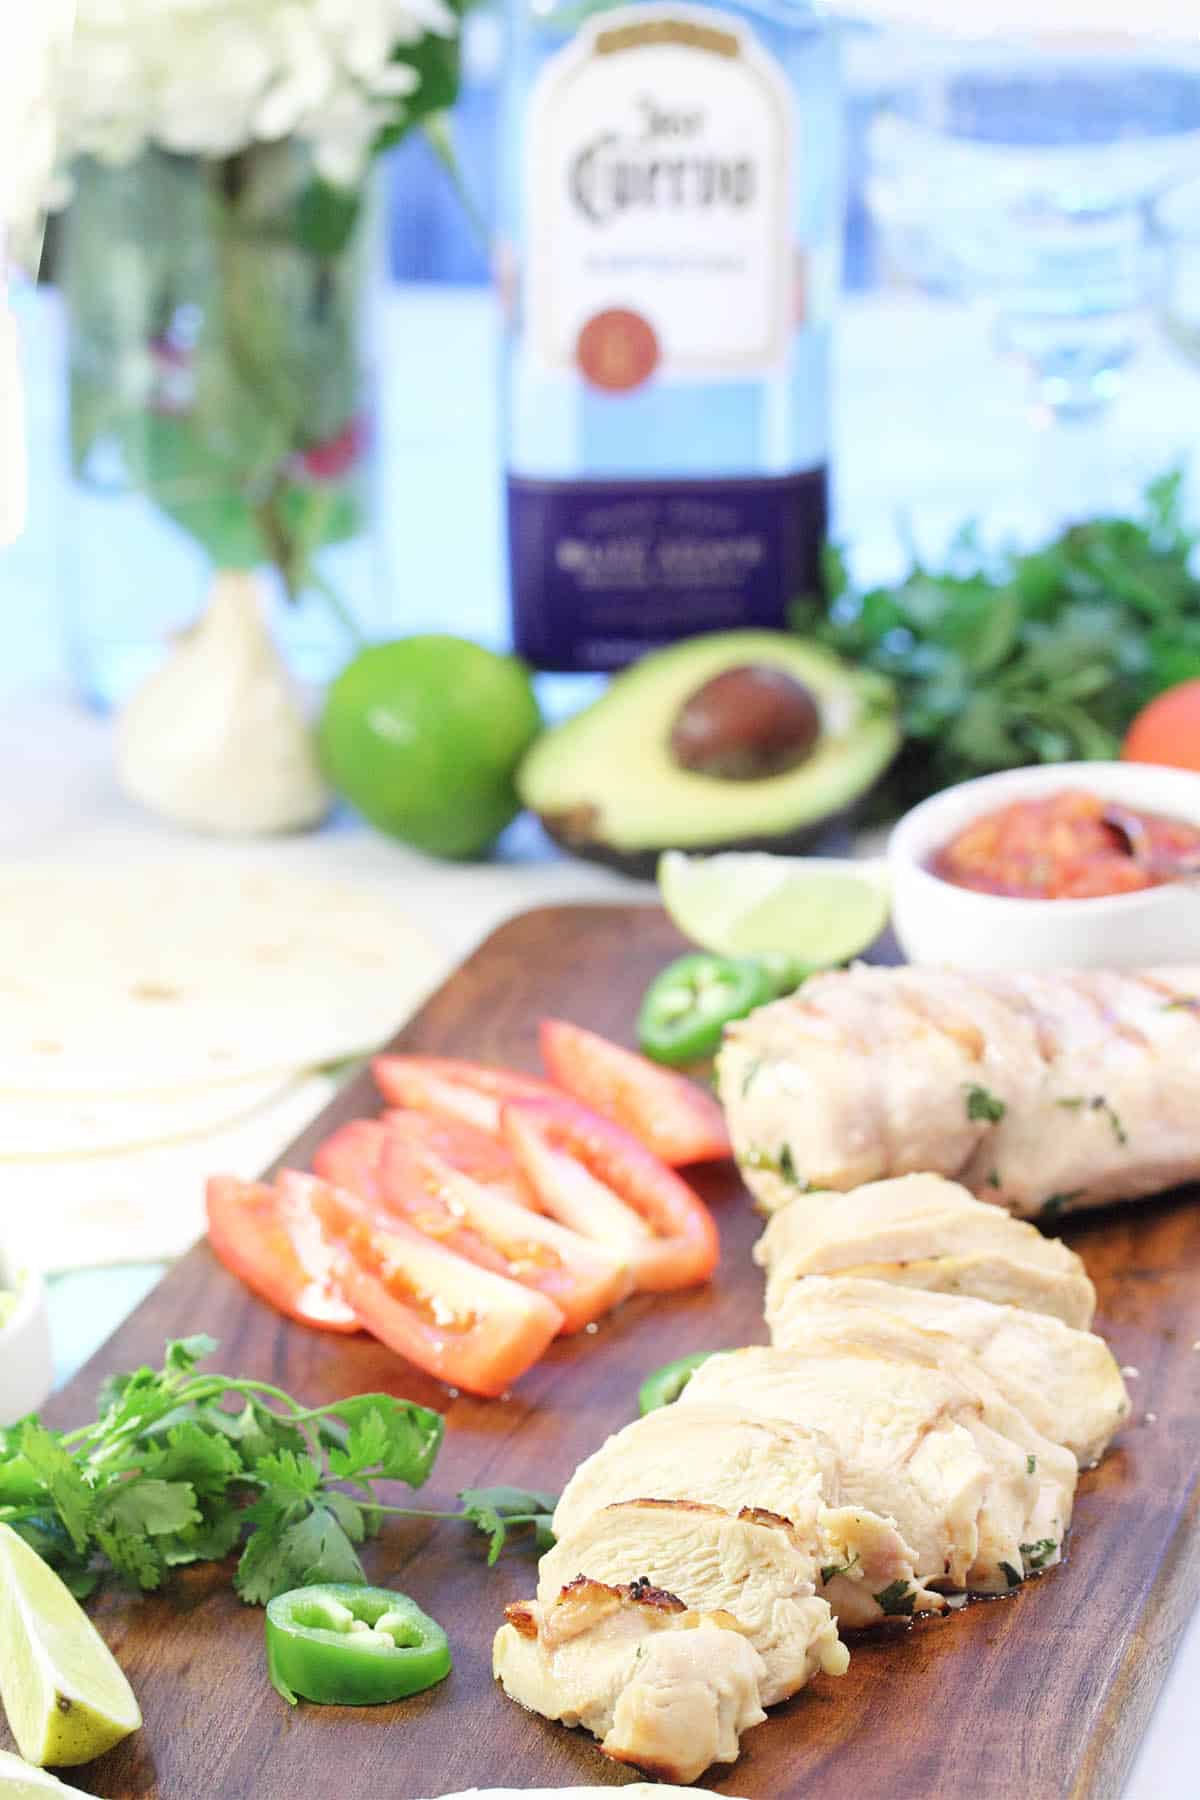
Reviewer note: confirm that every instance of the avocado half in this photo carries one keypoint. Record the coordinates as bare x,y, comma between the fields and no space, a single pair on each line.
606,785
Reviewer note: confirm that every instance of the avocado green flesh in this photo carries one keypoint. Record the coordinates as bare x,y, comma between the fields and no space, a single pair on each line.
605,782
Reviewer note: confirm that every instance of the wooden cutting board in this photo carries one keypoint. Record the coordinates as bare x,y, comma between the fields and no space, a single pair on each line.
1034,1697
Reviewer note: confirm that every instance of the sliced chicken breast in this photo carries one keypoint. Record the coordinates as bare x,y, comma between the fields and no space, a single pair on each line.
1043,1093
666,1689
751,1566
982,1499
734,1461
1065,1382
926,1232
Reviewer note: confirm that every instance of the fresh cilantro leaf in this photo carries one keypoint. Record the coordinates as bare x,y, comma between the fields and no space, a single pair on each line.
392,1440
131,1553
1036,1556
65,1484
211,1539
1054,1205
498,1511
831,1569
287,1477
896,1601
208,1461
148,1505
183,1354
1031,1464
1096,1103
281,1555
983,1106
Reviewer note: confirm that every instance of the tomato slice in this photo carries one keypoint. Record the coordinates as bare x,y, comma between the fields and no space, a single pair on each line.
463,1324
485,1159
351,1157
668,1113
681,1248
273,1243
583,1278
471,1092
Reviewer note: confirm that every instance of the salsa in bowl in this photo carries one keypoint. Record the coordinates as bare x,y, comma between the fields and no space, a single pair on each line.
1020,870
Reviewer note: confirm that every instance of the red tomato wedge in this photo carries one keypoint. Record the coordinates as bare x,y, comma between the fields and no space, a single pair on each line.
485,1159
274,1244
668,1113
583,1278
461,1323
472,1092
596,1177
351,1157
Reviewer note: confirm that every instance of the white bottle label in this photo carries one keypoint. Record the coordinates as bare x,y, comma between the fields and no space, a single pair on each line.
659,179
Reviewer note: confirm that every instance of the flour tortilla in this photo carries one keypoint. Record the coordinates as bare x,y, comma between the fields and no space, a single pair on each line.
100,1211
45,1127
192,974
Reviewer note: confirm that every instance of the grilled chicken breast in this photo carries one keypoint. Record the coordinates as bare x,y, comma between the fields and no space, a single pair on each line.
926,1232
665,1688
735,1461
751,1566
979,1495
1041,1093
1065,1382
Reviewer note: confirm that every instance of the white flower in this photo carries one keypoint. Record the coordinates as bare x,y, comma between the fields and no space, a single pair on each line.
211,77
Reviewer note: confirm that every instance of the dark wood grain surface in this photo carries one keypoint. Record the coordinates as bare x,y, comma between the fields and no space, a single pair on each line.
1034,1697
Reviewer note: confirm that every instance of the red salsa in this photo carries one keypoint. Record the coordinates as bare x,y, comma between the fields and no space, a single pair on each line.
1058,847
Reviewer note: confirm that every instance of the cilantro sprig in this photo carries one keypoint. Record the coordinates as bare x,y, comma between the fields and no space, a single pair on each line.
1001,659
184,1466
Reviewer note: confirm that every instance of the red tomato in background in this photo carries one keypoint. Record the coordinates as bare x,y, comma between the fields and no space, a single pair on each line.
1167,730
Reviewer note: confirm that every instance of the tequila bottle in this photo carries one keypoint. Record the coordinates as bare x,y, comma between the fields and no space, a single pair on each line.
670,225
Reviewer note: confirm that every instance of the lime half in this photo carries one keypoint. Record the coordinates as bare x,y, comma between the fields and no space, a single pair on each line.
66,1699
20,1781
818,910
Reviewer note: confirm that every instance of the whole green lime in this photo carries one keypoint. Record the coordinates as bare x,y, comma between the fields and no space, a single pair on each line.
424,735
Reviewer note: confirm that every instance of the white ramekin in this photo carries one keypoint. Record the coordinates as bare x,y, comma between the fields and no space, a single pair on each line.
26,1358
937,922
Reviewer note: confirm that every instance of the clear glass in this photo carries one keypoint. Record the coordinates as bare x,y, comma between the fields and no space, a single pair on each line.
1176,226
219,343
1018,176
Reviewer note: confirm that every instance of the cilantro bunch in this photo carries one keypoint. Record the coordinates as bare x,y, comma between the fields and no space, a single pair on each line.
183,1466
1004,659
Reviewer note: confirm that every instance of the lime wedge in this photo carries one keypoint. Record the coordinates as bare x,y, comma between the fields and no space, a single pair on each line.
818,910
66,1699
20,1781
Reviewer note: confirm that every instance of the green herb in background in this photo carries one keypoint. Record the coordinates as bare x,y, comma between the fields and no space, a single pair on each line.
183,1466
1004,659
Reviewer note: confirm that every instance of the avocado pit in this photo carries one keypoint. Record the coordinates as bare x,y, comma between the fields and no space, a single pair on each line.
746,724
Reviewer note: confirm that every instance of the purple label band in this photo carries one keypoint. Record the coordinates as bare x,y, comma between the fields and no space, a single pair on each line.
602,571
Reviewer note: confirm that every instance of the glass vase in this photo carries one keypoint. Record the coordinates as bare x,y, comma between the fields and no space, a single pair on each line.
219,331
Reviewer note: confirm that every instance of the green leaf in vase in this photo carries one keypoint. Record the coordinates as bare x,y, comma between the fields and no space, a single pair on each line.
181,471
326,217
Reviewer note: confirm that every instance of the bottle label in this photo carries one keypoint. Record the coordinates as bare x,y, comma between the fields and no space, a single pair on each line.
659,177
605,570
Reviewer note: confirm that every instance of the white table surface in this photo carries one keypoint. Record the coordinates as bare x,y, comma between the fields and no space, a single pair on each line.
931,429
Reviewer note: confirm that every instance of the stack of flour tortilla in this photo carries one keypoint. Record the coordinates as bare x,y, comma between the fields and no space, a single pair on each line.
162,1021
